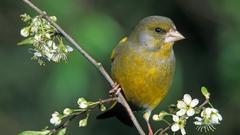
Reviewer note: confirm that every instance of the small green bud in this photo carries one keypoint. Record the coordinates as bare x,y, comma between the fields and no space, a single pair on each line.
53,18
160,116
67,111
62,131
24,32
83,122
82,102
156,117
205,92
25,17
102,108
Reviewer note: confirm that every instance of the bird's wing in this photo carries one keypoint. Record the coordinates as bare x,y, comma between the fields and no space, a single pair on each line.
118,111
115,51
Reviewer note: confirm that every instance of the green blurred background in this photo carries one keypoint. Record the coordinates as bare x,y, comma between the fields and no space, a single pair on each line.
209,56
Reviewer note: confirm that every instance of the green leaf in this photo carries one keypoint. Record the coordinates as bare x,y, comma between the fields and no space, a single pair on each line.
205,92
27,41
44,132
62,131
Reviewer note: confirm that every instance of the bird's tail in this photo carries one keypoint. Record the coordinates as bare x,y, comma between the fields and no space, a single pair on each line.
118,111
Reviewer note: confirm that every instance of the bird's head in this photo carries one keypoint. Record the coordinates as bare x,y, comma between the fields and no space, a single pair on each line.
155,32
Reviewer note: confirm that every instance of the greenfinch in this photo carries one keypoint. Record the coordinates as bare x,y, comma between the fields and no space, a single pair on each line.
143,65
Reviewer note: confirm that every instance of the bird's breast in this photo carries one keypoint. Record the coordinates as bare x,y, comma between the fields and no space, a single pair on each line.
144,76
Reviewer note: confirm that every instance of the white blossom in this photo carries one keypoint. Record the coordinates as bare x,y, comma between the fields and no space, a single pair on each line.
56,57
209,118
212,115
179,124
37,38
25,32
46,45
69,49
34,29
56,119
187,105
37,54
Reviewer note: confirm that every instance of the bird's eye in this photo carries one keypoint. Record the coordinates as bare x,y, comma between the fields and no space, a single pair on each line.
159,30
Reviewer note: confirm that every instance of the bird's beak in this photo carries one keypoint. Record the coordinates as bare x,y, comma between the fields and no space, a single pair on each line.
172,36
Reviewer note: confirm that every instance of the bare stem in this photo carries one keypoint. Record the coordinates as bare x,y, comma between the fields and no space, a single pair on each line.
98,65
204,103
164,130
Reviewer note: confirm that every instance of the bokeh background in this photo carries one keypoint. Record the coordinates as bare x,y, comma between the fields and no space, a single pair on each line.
209,56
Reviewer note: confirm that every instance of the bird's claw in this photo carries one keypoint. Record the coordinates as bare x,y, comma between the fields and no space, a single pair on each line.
150,131
115,90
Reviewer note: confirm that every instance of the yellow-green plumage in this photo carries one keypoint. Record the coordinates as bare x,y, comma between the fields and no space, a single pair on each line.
143,64
145,76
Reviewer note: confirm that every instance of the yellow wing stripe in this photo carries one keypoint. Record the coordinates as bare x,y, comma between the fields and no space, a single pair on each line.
120,42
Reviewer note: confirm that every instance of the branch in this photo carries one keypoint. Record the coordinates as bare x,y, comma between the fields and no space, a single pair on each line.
98,65
66,123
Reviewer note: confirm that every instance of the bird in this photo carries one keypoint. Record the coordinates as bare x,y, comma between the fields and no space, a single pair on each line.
143,64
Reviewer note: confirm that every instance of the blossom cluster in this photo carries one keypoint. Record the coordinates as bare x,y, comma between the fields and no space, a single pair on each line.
83,107
47,43
186,108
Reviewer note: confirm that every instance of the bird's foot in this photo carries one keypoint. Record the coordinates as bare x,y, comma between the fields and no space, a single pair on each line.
115,90
146,117
150,131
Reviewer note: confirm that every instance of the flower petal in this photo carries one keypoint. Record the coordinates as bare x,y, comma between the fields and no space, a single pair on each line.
208,112
194,102
37,54
181,104
190,112
52,120
183,131
55,114
83,105
214,110
69,49
181,112
187,99
175,127
198,118
214,119
175,118
198,123
219,116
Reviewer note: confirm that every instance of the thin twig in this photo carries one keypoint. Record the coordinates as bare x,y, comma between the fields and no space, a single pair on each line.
164,130
204,103
98,65
66,123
